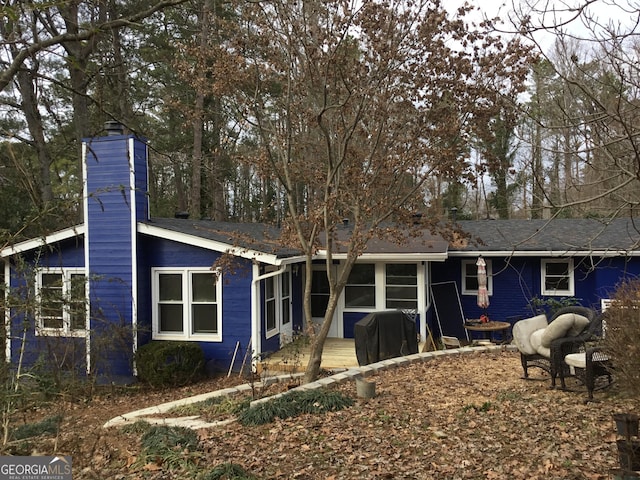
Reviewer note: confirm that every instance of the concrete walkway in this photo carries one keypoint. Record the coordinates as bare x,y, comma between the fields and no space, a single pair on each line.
196,422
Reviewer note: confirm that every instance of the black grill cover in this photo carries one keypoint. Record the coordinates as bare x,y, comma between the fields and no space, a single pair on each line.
383,335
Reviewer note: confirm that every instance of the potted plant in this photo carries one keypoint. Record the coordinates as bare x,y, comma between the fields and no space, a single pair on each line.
629,446
620,474
626,424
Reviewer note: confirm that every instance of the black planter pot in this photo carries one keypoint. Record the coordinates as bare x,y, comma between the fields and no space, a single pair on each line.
619,474
629,454
626,424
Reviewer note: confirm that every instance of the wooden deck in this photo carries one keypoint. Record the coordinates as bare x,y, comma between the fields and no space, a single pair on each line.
339,353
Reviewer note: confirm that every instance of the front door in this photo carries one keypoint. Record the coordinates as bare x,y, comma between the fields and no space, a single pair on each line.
320,300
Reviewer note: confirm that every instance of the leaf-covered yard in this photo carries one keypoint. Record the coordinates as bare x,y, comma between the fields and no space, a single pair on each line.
457,417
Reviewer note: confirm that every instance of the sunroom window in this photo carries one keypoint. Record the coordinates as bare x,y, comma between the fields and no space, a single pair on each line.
401,286
557,277
62,302
187,304
360,291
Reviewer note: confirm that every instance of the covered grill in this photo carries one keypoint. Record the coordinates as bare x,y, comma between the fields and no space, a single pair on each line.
383,335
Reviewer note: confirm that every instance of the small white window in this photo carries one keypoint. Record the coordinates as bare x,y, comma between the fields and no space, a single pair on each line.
187,304
557,277
62,302
277,303
470,277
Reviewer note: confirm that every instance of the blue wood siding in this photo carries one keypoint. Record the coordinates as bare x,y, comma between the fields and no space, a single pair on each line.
349,319
515,283
111,213
236,294
44,350
141,181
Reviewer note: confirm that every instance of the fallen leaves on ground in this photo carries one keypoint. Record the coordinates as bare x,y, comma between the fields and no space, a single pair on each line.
459,417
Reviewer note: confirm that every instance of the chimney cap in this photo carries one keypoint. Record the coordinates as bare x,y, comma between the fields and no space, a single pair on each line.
113,128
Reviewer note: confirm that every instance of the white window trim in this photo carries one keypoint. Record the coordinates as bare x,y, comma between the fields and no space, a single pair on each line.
381,289
385,285
286,299
375,285
489,267
277,292
557,293
65,331
186,335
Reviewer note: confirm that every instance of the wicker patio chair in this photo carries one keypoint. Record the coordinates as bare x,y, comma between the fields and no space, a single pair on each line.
578,344
592,367
569,337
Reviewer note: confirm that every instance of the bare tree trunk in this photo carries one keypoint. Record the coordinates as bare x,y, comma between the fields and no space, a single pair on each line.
195,196
34,123
78,54
124,112
537,173
217,187
196,163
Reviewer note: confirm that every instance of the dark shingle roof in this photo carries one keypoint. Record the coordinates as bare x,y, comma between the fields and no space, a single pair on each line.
255,236
557,235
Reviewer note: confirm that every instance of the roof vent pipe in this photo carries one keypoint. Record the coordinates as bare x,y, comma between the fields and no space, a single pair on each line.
113,128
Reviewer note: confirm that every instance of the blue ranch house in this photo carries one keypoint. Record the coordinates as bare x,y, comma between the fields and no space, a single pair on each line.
121,279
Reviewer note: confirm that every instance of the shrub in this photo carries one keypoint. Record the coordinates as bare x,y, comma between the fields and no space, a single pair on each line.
48,426
159,438
551,305
171,446
227,471
170,364
622,336
293,404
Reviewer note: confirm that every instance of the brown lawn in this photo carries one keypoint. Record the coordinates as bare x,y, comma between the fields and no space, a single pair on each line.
456,417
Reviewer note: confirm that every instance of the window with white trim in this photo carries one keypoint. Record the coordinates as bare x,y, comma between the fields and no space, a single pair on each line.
401,286
285,300
557,277
277,302
62,301
470,277
270,304
187,304
360,290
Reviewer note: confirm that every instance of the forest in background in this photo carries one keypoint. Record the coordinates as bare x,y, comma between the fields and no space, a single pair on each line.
226,92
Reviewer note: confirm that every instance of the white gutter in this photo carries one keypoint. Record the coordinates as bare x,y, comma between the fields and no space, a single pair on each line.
41,241
133,250
389,257
545,253
255,306
188,239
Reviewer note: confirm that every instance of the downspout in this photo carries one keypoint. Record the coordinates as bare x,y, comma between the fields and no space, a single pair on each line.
256,324
7,312
87,267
